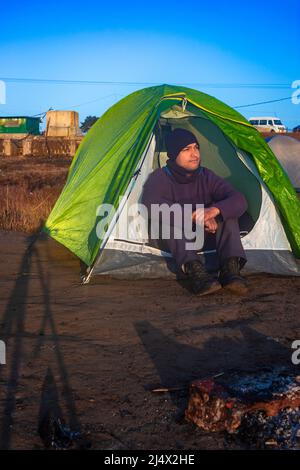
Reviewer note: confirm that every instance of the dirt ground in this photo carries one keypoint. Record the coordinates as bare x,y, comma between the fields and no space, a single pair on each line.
93,353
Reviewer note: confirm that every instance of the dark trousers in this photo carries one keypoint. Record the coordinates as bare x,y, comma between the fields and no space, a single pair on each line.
226,241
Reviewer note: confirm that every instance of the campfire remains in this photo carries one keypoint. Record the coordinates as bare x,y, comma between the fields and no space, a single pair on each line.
262,408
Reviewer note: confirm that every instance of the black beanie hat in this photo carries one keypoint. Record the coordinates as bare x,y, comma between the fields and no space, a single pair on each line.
177,140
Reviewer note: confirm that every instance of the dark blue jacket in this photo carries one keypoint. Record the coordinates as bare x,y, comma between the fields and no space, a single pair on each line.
208,189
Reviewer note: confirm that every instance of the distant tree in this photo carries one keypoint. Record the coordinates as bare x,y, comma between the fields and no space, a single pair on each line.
87,123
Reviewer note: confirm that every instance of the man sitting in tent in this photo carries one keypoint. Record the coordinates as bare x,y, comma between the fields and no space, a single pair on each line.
184,181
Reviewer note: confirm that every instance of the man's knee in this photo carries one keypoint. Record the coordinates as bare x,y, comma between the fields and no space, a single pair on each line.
229,225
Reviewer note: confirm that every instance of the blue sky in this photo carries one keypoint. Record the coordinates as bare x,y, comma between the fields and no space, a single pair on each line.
159,42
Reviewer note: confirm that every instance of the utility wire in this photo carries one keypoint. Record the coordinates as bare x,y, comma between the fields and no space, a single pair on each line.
212,85
261,102
43,114
108,82
94,101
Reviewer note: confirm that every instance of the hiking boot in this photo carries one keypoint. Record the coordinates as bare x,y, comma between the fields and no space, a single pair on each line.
202,282
230,277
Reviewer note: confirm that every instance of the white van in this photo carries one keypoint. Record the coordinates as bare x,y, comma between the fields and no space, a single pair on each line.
267,124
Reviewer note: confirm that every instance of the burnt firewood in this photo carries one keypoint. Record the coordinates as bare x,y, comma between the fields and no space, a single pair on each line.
220,404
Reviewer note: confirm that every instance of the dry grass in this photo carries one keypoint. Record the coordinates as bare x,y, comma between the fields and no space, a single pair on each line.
28,191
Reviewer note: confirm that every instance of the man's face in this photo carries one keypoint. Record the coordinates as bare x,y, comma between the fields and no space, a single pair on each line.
189,157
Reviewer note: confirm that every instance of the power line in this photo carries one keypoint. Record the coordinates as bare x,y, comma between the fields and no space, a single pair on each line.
261,102
94,101
212,85
43,114
235,107
109,82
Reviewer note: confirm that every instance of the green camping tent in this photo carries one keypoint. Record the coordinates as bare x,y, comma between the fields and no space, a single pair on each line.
127,143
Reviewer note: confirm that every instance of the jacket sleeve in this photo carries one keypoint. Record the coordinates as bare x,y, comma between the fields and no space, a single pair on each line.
231,203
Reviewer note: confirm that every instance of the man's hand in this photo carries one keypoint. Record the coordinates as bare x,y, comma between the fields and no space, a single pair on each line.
211,226
202,216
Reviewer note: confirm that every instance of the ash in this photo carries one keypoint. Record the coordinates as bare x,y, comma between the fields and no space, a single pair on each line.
262,432
264,385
